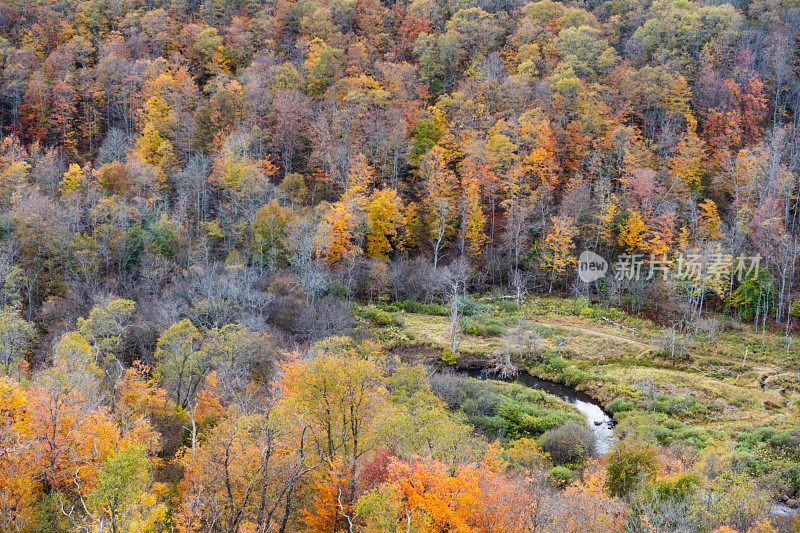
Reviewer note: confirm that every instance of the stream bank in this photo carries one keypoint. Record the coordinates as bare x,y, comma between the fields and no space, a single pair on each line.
598,420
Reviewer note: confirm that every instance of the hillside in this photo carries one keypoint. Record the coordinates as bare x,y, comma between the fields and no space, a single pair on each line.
375,266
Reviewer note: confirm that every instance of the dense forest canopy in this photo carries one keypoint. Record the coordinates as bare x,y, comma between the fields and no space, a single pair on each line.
240,239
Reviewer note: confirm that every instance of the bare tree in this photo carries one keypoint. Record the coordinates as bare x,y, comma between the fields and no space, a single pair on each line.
442,214
454,279
306,261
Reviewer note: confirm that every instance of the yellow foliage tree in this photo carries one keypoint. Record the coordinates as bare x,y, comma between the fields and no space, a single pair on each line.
541,161
560,245
329,505
74,181
360,174
450,503
340,227
710,222
474,219
662,234
19,485
685,164
632,232
385,217
13,178
607,218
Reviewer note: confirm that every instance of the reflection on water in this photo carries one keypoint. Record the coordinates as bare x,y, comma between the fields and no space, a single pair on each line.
599,422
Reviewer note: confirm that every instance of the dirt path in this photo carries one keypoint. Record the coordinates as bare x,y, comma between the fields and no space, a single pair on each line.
644,346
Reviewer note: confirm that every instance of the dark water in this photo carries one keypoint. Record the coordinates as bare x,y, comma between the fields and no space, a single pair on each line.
598,420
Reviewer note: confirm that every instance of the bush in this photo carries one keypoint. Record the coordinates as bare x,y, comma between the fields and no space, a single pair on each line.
378,317
581,307
562,371
435,309
676,488
536,425
620,405
507,306
410,306
693,436
506,410
485,327
658,428
664,403
628,465
449,357
556,364
762,434
448,386
569,444
339,290
786,442
572,377
561,475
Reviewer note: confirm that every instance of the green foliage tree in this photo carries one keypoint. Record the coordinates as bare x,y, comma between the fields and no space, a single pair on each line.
180,364
15,337
123,481
106,325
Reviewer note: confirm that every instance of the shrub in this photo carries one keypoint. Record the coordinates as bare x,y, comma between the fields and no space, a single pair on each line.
536,425
680,487
753,293
378,317
569,444
470,407
561,475
486,327
492,426
694,436
506,410
525,453
556,364
397,320
435,309
410,306
582,307
339,290
563,371
449,357
507,306
664,403
493,328
762,434
572,377
785,441
628,465
620,405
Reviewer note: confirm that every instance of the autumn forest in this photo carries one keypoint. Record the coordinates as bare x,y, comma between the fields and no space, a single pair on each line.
384,266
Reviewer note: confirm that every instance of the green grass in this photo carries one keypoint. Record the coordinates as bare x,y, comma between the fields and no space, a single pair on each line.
511,411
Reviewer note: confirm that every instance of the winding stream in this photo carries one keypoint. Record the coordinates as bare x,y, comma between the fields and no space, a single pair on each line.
598,420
